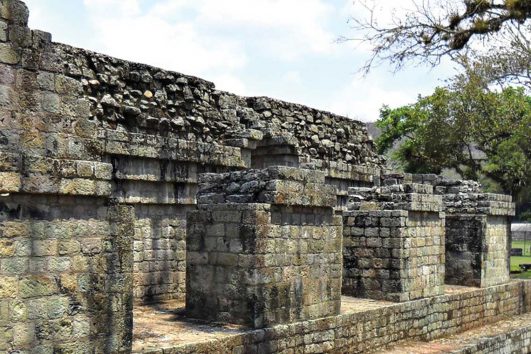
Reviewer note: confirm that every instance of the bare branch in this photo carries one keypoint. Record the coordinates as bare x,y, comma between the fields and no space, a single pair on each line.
434,29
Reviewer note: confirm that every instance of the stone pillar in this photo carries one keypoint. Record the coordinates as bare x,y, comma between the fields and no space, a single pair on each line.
65,275
264,248
394,243
477,234
111,305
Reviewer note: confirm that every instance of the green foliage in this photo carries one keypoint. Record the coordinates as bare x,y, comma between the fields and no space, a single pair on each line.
466,127
526,216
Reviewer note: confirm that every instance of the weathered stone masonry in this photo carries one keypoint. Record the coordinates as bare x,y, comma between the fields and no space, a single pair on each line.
122,184
366,331
264,248
477,235
152,132
394,243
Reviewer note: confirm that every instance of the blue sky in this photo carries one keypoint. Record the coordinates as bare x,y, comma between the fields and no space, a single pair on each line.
284,49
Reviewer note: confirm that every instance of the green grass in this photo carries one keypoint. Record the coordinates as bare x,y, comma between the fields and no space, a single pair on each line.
525,246
515,261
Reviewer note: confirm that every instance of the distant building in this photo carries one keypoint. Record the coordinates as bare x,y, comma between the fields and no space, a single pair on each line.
521,232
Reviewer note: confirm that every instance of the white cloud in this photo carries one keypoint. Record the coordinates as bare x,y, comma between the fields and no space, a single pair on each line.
300,24
362,99
229,83
122,7
168,8
176,45
363,96
292,77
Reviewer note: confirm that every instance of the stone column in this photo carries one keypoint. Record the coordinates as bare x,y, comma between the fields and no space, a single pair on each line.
394,243
264,248
65,274
477,234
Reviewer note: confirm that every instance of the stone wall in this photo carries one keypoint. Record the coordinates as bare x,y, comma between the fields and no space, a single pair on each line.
99,165
518,341
368,330
477,233
496,260
159,253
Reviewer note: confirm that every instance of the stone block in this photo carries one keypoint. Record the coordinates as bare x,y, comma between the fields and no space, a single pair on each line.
15,12
3,31
50,102
9,182
8,55
8,287
34,286
44,248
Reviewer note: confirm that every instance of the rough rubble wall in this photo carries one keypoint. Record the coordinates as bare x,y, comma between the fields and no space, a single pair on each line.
136,97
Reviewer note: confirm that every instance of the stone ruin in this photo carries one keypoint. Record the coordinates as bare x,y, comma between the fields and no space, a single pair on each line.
124,186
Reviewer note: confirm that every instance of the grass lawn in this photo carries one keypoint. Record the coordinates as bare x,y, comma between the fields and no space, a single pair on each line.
525,246
515,261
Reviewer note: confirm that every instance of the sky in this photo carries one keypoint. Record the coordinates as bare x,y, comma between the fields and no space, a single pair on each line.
285,49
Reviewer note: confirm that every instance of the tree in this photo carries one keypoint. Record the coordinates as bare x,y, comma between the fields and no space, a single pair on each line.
508,64
466,127
481,131
436,28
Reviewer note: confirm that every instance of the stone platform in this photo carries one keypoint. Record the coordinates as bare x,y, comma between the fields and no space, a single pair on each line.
464,317
165,326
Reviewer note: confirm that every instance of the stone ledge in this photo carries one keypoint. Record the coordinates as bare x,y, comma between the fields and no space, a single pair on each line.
158,147
13,182
344,171
274,185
